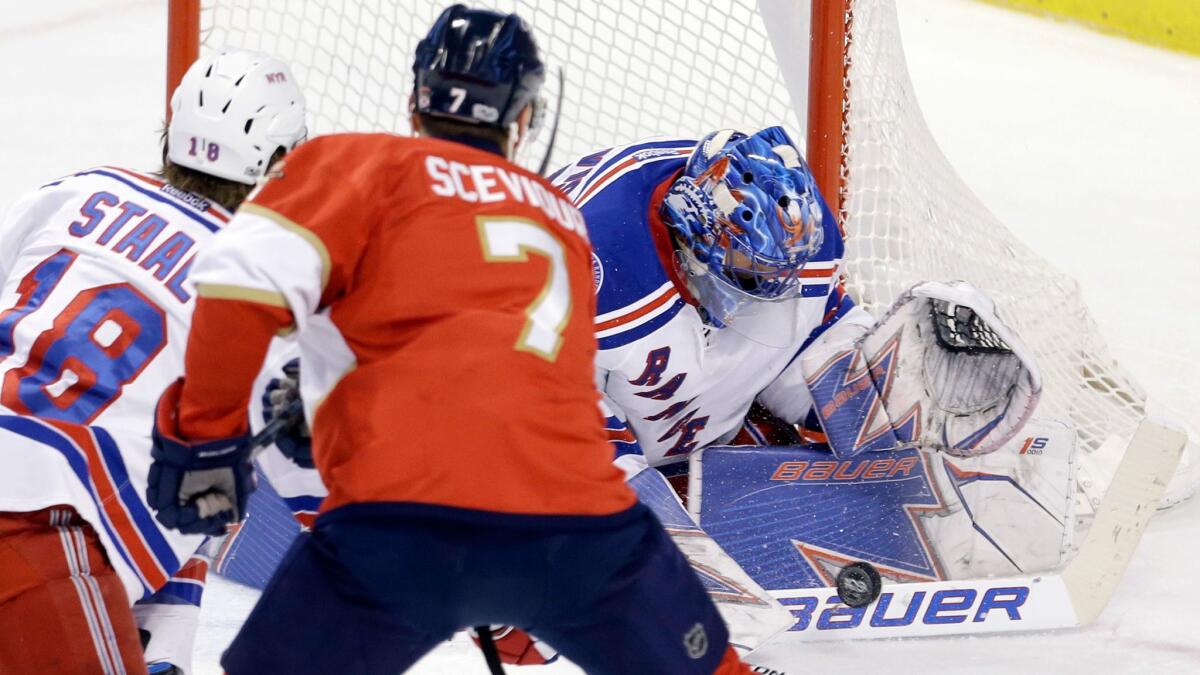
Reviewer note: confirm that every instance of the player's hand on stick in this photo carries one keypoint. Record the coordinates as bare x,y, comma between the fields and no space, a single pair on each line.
196,487
294,439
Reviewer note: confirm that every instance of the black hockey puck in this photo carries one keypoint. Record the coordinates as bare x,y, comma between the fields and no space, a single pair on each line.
859,584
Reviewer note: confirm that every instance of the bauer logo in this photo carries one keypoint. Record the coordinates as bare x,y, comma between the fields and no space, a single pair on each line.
897,610
847,470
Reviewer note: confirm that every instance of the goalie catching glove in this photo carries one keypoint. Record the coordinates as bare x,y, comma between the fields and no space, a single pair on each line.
196,487
939,371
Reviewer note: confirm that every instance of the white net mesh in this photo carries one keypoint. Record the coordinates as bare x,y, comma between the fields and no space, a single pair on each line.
910,218
638,68
632,67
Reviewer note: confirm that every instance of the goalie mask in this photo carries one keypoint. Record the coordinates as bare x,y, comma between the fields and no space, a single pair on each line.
747,216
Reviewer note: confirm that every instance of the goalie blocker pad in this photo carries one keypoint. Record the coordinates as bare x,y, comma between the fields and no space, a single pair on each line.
940,371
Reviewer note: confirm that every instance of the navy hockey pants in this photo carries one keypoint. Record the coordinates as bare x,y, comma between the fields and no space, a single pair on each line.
376,586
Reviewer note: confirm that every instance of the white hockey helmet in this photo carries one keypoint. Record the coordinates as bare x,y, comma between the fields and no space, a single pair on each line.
231,112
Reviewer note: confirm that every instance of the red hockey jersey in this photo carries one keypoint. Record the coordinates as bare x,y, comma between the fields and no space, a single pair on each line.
444,302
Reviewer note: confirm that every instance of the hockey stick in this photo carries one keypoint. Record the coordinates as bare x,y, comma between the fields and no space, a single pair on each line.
553,130
488,646
1071,597
265,437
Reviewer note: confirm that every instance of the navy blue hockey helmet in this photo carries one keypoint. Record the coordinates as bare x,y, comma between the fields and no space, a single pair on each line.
477,66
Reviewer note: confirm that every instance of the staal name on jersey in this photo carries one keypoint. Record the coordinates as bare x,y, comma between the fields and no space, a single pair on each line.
168,261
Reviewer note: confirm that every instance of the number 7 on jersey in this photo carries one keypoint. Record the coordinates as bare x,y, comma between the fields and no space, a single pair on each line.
511,240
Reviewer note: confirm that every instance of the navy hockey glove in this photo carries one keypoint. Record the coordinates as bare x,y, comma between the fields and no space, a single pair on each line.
196,487
294,440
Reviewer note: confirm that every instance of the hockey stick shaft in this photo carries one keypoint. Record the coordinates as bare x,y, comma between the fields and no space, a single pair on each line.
553,130
1051,600
265,437
488,646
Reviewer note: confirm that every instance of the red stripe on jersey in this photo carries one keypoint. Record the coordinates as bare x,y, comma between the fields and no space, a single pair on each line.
114,509
617,169
810,273
621,435
306,519
639,312
195,569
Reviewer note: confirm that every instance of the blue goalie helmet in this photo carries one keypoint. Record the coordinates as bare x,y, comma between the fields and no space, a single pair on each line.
747,217
478,67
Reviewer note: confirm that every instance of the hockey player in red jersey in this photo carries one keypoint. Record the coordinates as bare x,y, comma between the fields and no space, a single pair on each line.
97,304
443,299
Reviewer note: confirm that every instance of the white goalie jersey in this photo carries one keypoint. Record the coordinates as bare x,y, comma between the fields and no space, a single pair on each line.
672,383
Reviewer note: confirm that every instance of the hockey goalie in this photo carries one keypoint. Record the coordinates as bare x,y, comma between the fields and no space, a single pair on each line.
722,323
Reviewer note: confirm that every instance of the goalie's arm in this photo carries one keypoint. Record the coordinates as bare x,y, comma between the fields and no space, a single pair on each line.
844,322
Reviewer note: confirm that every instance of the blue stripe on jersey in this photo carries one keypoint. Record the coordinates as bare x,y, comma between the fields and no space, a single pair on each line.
32,430
638,332
622,447
180,593
840,303
618,224
303,503
182,206
134,506
50,437
629,150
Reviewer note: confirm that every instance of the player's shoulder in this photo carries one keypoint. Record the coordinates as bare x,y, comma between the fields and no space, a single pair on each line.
620,172
387,154
111,186
347,150
614,188
634,292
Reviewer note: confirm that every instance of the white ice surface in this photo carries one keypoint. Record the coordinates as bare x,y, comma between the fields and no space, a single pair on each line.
1085,145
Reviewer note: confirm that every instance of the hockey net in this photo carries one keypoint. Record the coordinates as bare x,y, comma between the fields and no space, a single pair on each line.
638,68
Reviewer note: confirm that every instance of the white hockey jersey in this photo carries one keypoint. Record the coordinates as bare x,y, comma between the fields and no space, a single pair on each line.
95,313
671,383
